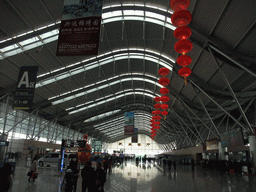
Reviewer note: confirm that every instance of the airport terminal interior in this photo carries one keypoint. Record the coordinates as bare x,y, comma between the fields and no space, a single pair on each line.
148,95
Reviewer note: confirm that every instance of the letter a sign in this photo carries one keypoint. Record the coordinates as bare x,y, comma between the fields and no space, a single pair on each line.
24,93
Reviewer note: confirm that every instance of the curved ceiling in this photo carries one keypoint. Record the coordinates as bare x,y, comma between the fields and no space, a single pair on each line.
136,40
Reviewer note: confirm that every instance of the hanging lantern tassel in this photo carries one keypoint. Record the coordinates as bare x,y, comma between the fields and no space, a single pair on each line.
186,80
184,72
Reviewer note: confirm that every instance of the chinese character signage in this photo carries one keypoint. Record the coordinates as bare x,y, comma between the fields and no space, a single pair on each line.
135,136
24,93
129,123
80,28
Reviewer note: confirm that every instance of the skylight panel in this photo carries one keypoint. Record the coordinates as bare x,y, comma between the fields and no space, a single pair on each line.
134,12
154,21
155,15
49,34
29,41
132,18
110,99
8,48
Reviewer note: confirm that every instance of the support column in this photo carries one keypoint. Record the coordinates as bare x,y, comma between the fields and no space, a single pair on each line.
3,137
221,152
204,156
252,147
6,113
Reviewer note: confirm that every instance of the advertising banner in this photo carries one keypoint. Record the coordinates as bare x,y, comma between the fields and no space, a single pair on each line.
212,144
129,123
24,93
129,130
135,136
80,28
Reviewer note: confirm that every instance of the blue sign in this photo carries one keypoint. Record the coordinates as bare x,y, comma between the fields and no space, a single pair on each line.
62,160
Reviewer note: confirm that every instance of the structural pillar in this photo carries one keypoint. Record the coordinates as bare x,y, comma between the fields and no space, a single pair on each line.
204,156
221,152
3,149
252,142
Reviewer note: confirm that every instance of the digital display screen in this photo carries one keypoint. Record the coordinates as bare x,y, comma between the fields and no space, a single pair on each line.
232,138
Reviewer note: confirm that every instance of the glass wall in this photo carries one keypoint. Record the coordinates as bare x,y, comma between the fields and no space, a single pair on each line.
144,146
20,124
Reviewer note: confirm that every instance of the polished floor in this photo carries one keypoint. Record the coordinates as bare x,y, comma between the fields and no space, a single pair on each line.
142,178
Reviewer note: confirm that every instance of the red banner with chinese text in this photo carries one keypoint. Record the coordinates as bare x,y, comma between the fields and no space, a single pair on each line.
79,37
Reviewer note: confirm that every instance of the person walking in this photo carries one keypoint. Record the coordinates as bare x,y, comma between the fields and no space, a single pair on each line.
109,165
69,180
105,165
174,165
169,162
100,178
88,177
74,167
33,169
5,177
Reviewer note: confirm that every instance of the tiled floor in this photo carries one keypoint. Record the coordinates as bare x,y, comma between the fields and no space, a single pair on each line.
143,178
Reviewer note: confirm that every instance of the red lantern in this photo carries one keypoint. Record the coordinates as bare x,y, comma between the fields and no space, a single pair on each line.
164,71
164,91
181,18
157,99
156,117
164,107
179,4
185,72
183,46
164,113
165,99
157,123
153,135
164,81
158,112
152,138
153,112
152,120
184,60
154,123
158,127
183,32
158,106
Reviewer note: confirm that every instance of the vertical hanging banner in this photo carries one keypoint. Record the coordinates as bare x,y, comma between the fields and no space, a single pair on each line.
24,93
80,28
129,123
135,136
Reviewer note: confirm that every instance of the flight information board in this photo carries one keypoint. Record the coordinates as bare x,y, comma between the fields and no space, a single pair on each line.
232,138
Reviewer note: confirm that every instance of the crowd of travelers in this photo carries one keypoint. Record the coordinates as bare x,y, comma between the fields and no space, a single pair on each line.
227,167
92,179
5,177
224,166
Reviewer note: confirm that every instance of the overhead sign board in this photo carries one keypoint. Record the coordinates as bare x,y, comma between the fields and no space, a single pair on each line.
232,138
135,136
80,28
129,123
24,93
